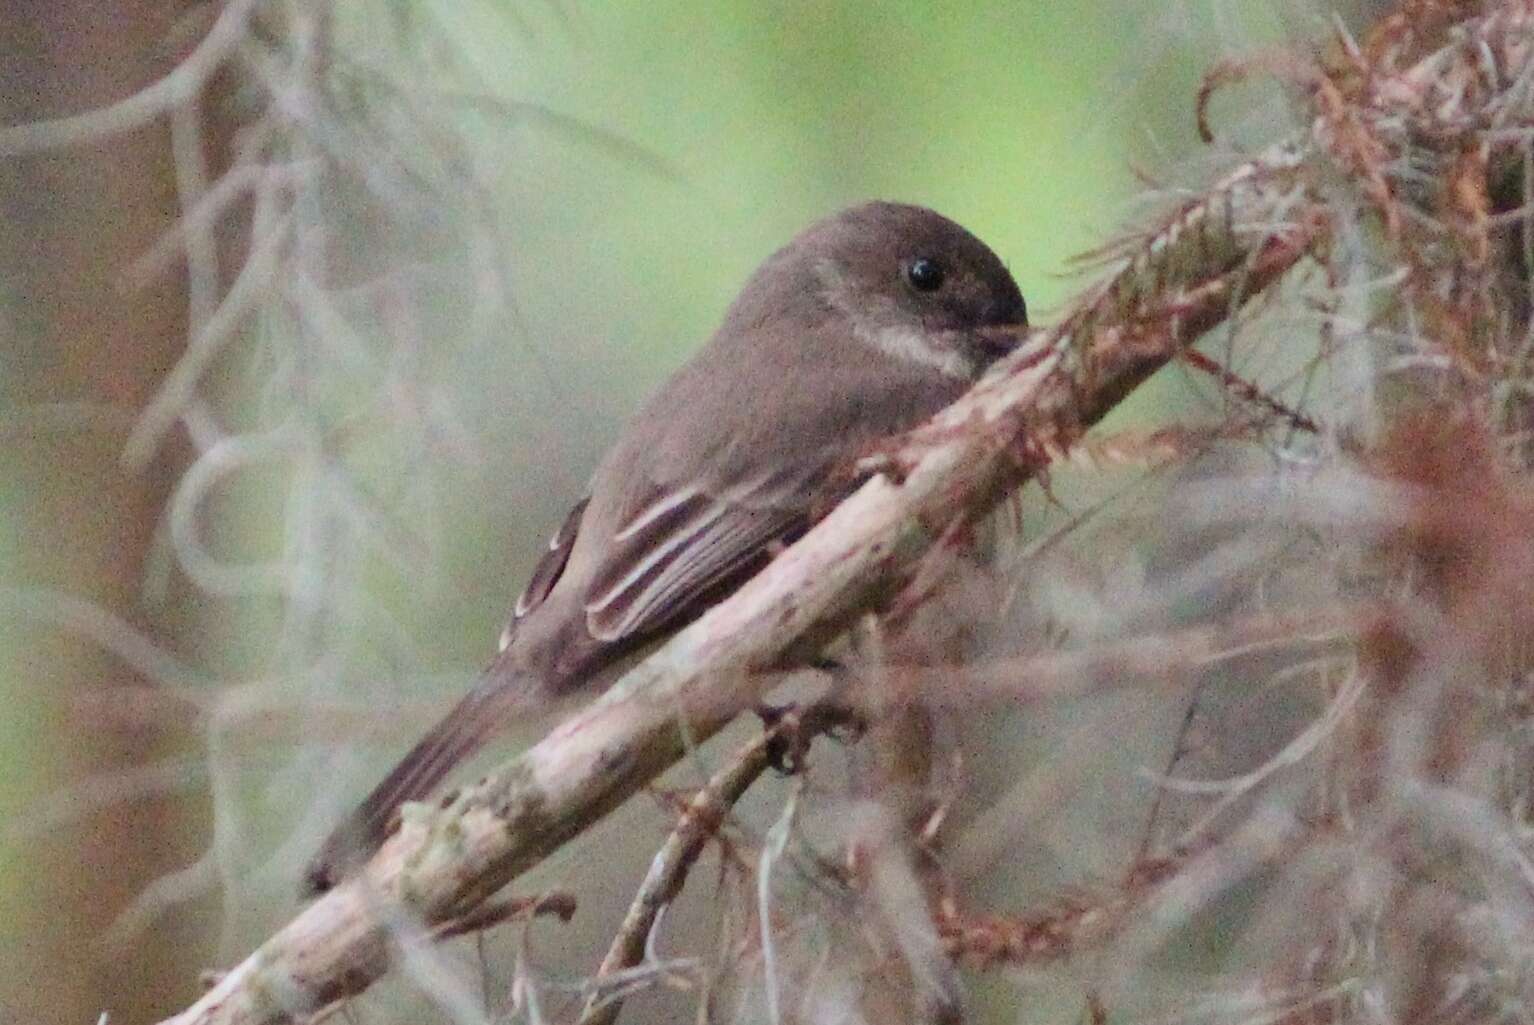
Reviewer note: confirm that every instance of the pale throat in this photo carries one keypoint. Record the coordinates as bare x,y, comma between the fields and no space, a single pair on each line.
890,334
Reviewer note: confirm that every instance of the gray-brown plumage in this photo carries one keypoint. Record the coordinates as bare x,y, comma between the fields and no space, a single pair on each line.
864,325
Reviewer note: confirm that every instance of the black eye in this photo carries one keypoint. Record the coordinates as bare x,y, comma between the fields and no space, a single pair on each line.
924,274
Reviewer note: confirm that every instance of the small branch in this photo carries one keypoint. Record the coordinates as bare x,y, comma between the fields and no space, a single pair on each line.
1249,392
1075,923
701,818
181,85
492,913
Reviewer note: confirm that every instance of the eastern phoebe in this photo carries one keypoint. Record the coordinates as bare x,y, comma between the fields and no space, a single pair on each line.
863,326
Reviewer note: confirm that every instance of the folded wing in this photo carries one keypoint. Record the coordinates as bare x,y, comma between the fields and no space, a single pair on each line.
678,548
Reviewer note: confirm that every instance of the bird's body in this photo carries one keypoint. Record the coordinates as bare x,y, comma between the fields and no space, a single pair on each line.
860,328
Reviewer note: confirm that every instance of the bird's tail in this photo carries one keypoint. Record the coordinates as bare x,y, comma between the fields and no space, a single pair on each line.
482,713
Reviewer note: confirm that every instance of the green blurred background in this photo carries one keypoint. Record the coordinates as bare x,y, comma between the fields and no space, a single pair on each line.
632,163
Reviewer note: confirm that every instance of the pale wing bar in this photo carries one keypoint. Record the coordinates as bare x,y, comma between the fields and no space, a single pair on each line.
680,549
548,571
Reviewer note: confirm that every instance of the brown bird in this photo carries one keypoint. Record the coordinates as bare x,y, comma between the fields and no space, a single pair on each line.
864,325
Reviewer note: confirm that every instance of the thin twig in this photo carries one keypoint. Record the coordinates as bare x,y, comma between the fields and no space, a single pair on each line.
700,819
498,912
1249,392
182,84
1171,656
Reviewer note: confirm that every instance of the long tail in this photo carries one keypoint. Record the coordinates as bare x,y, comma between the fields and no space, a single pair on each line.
482,713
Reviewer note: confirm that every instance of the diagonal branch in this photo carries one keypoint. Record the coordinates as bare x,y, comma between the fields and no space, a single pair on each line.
701,817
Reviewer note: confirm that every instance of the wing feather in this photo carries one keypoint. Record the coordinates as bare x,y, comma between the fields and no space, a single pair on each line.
548,571
669,560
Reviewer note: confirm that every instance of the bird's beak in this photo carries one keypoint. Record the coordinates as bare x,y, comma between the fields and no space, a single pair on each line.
999,339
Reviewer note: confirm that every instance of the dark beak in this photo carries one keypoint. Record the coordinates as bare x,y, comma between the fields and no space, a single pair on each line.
996,340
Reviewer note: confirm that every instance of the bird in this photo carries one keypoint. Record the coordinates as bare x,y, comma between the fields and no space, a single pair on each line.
862,326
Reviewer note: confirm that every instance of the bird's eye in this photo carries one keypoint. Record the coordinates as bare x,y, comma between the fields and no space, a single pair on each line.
924,274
